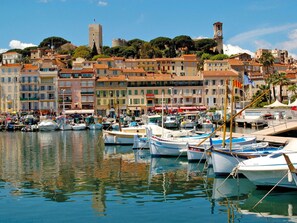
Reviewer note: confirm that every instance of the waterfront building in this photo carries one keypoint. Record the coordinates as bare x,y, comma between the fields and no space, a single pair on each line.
11,58
216,65
214,87
29,87
9,87
48,94
76,90
95,37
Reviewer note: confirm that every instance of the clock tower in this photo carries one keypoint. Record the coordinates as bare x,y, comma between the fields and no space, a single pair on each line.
218,36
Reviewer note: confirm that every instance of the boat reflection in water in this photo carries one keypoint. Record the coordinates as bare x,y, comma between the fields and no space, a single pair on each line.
62,172
280,205
142,156
241,197
113,150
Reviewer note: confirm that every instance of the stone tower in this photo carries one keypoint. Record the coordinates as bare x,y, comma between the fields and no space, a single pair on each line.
95,36
218,36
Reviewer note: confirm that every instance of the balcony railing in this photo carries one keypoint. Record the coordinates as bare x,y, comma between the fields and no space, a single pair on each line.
29,99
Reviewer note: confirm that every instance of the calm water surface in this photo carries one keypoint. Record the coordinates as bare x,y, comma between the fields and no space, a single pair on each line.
72,177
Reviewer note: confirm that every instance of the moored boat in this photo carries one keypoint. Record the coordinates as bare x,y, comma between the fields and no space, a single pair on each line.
271,170
224,160
47,125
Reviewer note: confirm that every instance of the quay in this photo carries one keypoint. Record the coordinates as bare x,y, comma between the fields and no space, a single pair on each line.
271,133
272,140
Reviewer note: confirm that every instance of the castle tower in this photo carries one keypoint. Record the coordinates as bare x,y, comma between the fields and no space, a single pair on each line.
218,36
95,36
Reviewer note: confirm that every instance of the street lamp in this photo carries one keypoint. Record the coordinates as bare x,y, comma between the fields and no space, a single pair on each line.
63,92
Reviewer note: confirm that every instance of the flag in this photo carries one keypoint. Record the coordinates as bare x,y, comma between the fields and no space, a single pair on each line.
237,84
247,80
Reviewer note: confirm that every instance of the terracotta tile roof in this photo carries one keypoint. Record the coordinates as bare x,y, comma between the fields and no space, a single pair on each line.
105,59
69,71
281,65
148,77
226,73
87,70
30,67
11,65
100,66
112,78
11,52
235,62
136,70
254,63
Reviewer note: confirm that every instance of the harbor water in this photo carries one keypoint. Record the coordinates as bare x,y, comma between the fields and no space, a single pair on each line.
72,177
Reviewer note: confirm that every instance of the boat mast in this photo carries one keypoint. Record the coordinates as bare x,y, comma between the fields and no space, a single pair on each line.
225,113
231,118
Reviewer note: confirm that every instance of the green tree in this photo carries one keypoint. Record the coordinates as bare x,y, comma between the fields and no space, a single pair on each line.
293,90
219,57
105,50
205,45
100,56
137,44
267,61
129,52
94,51
282,80
54,41
147,51
271,80
161,42
117,51
183,42
264,99
169,52
82,51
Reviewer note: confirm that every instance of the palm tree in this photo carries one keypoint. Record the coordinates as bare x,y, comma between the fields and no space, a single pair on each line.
267,61
282,80
265,98
293,88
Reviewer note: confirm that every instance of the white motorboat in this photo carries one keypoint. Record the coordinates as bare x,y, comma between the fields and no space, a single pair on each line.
65,126
47,125
137,135
162,146
95,126
171,121
224,160
271,170
79,126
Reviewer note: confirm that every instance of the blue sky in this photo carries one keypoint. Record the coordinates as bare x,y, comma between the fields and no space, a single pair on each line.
247,24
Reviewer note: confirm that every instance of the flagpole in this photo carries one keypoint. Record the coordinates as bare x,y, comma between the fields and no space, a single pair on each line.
231,118
225,112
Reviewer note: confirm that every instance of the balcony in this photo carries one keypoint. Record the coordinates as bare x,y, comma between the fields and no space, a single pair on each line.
89,93
29,99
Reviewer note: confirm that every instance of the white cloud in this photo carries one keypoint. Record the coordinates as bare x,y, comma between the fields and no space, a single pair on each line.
262,44
16,44
3,50
290,44
247,36
102,3
231,50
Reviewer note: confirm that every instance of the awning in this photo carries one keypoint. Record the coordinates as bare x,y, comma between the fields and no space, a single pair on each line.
182,108
165,108
83,111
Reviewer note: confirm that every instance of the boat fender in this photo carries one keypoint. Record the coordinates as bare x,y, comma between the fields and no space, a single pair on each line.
290,177
115,139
